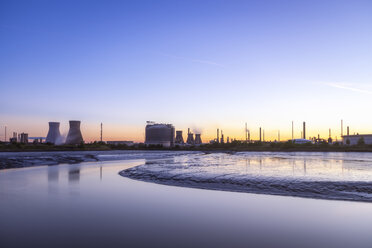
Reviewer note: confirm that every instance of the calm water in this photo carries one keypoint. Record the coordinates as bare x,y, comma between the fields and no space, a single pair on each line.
92,205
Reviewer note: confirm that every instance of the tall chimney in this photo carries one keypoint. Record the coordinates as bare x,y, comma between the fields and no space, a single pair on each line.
304,130
348,130
218,135
292,131
260,135
246,132
101,130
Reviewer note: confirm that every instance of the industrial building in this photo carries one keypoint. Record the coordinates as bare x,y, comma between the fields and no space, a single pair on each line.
14,139
301,141
159,134
356,138
74,136
53,134
23,138
124,142
36,140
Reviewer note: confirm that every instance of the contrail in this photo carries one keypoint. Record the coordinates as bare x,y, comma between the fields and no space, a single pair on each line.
340,86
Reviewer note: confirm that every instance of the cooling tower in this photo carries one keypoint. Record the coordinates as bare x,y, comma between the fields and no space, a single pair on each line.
74,136
190,139
198,140
160,134
179,138
53,133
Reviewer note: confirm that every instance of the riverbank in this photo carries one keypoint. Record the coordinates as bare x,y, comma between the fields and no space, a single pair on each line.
227,147
10,160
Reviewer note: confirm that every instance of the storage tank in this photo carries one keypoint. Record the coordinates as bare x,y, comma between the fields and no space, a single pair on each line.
53,133
74,136
160,134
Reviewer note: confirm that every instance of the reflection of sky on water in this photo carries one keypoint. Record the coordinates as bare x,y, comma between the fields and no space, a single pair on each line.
309,166
41,206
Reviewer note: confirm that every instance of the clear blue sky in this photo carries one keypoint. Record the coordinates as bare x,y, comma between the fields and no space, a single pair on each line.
198,64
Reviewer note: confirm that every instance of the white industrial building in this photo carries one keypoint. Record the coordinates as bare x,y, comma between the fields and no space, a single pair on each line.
302,141
353,139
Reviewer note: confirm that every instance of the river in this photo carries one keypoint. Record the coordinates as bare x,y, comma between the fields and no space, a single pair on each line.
91,204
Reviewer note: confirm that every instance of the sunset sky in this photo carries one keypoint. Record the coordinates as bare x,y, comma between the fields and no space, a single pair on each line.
198,64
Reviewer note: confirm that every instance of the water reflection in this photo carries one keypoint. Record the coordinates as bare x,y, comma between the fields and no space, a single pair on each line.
53,179
74,174
53,174
329,176
130,213
313,166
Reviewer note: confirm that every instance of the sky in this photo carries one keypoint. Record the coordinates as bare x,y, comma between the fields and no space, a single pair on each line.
198,64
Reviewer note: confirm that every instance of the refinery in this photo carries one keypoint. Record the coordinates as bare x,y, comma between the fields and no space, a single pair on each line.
165,135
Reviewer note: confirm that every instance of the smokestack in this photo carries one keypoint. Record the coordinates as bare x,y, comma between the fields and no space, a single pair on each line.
53,133
304,130
218,135
222,139
246,133
342,128
260,135
179,137
74,136
348,130
101,131
292,131
198,140
330,137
